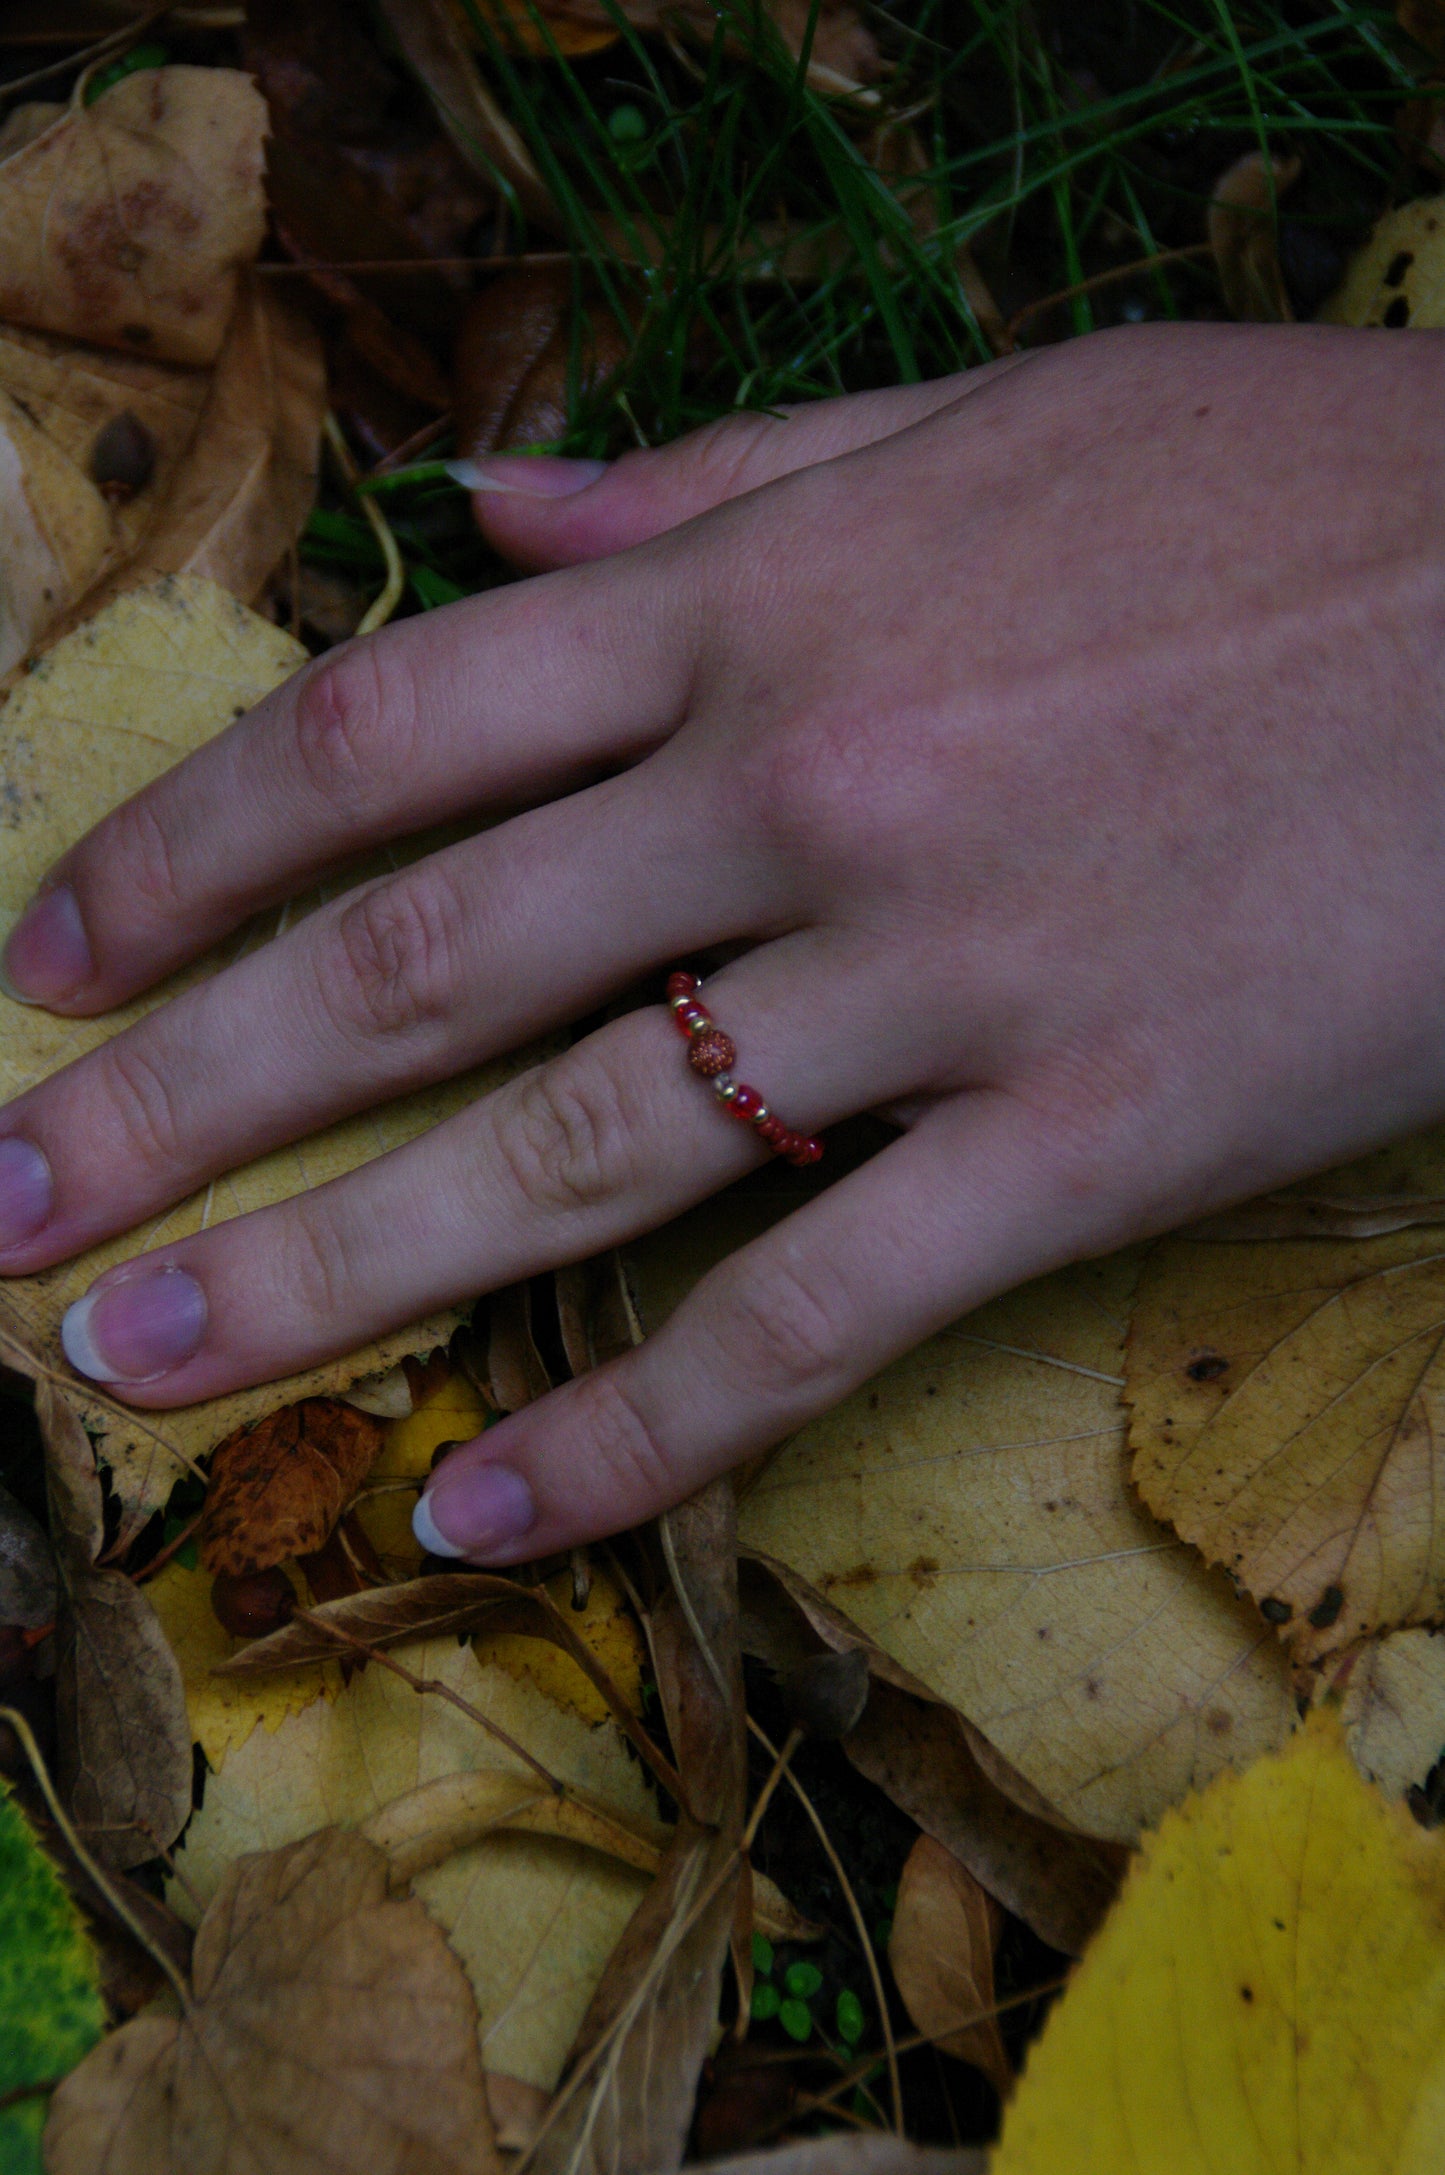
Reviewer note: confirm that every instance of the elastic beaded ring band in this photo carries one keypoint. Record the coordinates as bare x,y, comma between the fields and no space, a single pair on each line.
712,1055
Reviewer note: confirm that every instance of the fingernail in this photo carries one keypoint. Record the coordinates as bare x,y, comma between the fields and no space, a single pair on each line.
474,1512
46,956
135,1331
526,475
25,1191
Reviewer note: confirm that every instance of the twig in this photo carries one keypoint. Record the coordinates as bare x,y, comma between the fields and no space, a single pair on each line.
501,262
19,2092
1101,279
163,1556
83,1858
114,41
381,609
765,1795
441,1691
859,2071
420,441
895,2082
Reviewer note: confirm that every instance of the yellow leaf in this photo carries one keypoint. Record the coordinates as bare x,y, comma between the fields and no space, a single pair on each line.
152,676
1286,1402
452,1413
1268,1994
125,222
1398,278
533,1918
223,1711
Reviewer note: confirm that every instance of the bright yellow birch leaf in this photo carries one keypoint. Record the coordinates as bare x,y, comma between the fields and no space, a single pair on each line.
1267,1995
1287,1402
157,672
223,1711
533,1918
452,1413
970,1510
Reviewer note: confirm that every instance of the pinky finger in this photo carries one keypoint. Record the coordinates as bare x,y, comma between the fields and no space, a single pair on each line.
966,1205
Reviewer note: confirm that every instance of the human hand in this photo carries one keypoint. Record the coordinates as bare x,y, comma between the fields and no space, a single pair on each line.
1064,740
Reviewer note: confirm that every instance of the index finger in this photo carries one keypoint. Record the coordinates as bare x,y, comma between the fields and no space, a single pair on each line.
516,695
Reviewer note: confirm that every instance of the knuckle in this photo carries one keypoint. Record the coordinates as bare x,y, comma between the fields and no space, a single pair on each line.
621,1441
311,1264
140,1094
811,788
780,1329
392,968
354,718
730,454
568,1137
137,843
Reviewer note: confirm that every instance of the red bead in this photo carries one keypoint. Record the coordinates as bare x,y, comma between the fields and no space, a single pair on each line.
712,1052
746,1103
773,1131
691,1019
808,1150
682,985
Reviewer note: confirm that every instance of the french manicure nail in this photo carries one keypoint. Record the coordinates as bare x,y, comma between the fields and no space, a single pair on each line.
526,475
25,1191
474,1512
47,957
136,1330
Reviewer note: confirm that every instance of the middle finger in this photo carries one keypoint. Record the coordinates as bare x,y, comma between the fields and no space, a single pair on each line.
394,986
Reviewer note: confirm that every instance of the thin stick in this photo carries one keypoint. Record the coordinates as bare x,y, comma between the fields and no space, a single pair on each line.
434,1685
82,1856
765,1795
895,2082
163,1556
383,606
413,264
19,2092
86,59
859,2071
1102,279
420,441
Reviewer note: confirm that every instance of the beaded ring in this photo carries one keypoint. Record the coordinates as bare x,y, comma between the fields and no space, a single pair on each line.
712,1055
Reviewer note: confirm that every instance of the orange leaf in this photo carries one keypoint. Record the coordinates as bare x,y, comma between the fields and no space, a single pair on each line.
278,1488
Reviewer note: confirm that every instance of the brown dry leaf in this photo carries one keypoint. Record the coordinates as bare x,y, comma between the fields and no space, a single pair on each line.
513,366
532,1917
970,1512
125,222
278,1486
1424,21
151,677
945,1931
1243,236
1391,1695
439,56
632,2072
331,2027
124,1742
940,1771
27,1568
244,490
1285,1404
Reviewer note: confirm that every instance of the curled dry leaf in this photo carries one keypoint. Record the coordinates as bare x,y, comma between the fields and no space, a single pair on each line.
1243,235
124,1743
632,2072
514,359
970,1512
941,1771
533,1917
331,2025
125,222
27,1568
152,676
1268,1993
941,1948
1286,1404
278,1486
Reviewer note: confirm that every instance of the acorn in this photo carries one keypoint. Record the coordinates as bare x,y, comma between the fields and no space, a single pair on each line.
123,458
248,1607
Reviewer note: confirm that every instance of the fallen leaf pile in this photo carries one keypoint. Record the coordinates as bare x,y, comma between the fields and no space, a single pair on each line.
1132,1576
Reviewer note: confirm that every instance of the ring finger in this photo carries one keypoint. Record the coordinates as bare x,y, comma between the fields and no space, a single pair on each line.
594,1147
